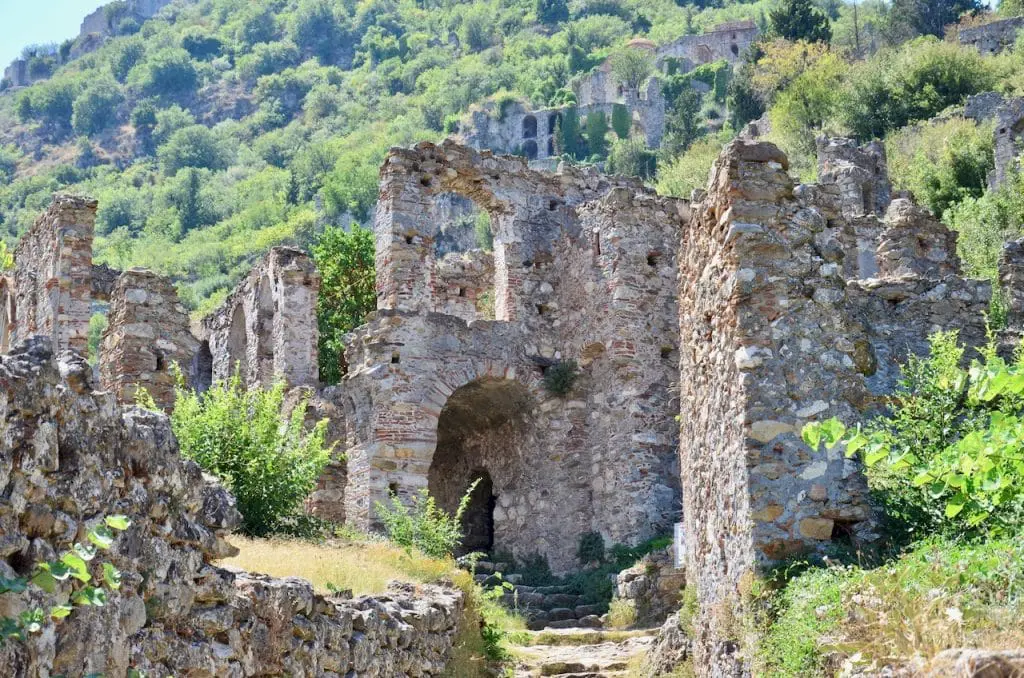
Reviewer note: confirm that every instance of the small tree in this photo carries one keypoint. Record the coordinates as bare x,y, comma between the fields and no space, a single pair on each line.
552,12
631,157
597,131
800,20
622,123
238,435
347,291
631,67
567,133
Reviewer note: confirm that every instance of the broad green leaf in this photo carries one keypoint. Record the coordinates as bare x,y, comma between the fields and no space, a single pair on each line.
85,551
855,443
955,505
101,536
45,581
79,568
16,585
118,522
832,431
811,434
90,595
922,478
111,576
60,611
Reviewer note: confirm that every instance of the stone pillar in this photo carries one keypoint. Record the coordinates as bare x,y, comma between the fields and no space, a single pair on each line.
148,333
760,314
296,286
53,274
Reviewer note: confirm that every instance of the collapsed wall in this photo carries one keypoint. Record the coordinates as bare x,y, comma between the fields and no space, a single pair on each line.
266,329
778,327
71,457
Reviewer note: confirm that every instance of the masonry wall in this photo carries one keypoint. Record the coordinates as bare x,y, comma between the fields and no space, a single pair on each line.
74,456
52,281
773,335
147,339
994,37
583,270
266,329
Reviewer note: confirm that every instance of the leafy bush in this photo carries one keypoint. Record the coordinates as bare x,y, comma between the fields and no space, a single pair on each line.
942,163
347,291
560,377
238,435
194,146
690,170
168,73
914,82
631,157
949,457
423,525
591,548
95,108
631,67
941,594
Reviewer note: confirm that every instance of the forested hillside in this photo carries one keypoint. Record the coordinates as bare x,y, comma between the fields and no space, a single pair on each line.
223,127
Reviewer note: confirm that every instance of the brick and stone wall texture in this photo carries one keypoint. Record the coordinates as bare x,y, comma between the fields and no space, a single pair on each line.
440,391
773,334
267,326
52,282
147,336
73,456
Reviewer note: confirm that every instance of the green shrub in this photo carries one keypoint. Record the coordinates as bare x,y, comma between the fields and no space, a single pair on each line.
591,548
238,435
942,163
422,524
194,146
949,457
347,291
95,108
560,377
631,157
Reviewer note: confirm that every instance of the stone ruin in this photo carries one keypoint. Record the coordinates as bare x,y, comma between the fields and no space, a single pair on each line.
749,311
994,37
1007,117
72,456
518,128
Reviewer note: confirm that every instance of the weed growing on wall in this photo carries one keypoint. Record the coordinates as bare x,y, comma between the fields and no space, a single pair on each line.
560,377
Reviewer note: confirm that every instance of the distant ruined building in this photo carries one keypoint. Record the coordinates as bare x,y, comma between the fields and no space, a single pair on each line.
513,127
992,38
756,307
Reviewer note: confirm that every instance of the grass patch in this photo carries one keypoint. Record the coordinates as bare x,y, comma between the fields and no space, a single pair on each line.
365,567
621,613
940,595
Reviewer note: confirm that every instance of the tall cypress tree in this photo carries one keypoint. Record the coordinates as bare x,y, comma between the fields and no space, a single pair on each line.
597,132
567,133
621,121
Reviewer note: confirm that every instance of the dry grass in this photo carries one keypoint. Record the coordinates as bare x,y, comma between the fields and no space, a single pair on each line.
622,613
363,567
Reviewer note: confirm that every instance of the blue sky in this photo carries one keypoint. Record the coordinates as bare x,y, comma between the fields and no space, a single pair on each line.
24,22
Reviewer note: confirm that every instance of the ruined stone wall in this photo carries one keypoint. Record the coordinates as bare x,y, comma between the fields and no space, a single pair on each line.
583,269
147,336
72,457
994,37
860,172
52,283
774,335
267,326
1007,117
727,41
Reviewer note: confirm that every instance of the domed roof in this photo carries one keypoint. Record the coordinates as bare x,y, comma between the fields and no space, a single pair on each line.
641,43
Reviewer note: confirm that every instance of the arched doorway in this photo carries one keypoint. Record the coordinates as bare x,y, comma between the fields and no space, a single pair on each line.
529,127
202,368
478,441
530,150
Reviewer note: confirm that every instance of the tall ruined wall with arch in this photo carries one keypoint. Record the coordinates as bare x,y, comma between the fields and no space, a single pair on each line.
583,270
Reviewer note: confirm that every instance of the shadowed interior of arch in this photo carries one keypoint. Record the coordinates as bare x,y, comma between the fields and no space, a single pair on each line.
478,436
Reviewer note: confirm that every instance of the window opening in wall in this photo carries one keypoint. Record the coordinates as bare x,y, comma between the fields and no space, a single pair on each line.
553,121
653,259
202,368
408,240
529,127
396,358
735,50
530,150
393,489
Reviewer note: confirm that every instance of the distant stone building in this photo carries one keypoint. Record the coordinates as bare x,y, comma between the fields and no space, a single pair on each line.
517,128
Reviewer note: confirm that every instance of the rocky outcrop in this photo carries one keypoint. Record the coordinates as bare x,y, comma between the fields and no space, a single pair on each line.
72,456
654,585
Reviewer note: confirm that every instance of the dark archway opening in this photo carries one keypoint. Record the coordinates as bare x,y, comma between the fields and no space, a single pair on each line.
529,127
530,150
553,122
202,368
478,436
